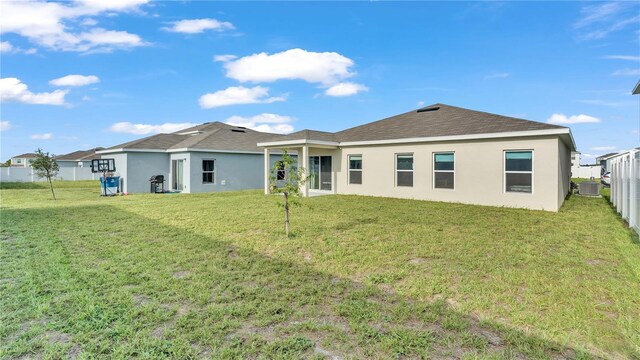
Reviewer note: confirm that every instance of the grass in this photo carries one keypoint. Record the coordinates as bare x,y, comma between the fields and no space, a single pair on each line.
211,275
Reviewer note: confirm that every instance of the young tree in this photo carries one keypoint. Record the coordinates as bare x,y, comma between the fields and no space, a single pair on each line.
45,166
291,177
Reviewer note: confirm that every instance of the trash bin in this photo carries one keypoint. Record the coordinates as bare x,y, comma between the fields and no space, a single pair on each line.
110,185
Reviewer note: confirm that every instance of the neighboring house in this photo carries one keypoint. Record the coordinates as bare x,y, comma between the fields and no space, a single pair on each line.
605,161
208,157
22,160
583,171
80,158
440,153
636,89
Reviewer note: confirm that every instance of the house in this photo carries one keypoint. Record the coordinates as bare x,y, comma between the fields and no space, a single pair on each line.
440,153
22,160
605,161
636,89
80,158
208,157
579,170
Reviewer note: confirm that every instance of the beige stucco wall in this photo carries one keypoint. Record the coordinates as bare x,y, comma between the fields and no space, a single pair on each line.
479,175
564,171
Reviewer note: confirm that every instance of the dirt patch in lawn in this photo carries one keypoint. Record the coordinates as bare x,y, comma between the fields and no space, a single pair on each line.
181,274
140,299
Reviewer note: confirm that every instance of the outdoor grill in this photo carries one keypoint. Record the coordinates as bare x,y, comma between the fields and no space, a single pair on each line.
157,184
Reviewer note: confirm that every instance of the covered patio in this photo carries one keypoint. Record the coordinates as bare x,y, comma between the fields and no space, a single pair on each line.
319,158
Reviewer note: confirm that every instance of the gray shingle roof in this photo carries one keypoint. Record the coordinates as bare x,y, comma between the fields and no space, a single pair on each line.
81,155
444,120
310,134
207,136
25,155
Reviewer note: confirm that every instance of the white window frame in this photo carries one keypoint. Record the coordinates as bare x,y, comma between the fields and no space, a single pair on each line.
395,177
349,169
433,179
504,172
213,177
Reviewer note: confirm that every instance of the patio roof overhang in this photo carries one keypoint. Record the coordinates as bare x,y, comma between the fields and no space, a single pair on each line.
300,143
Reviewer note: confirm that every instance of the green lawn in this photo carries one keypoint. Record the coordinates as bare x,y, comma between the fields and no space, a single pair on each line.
211,275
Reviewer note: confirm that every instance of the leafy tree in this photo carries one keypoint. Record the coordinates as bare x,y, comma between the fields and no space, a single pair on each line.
45,166
6,163
292,177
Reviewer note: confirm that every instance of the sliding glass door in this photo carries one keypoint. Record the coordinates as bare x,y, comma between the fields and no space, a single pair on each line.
320,169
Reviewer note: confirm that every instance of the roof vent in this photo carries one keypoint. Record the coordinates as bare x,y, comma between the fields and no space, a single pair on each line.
237,130
240,127
428,108
195,132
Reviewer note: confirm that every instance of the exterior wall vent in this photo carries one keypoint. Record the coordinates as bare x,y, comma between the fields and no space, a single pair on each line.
237,130
589,188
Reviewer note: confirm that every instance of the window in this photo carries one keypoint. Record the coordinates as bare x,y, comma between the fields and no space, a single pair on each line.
18,161
280,173
355,169
404,169
80,164
518,171
208,171
443,170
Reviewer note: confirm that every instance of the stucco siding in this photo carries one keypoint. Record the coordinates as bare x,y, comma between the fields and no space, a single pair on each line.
479,172
564,172
121,168
140,168
232,171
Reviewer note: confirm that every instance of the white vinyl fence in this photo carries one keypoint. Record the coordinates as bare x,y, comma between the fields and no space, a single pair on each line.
586,172
26,174
625,187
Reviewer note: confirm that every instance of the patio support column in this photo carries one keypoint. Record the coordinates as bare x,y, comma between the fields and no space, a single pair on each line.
267,170
305,165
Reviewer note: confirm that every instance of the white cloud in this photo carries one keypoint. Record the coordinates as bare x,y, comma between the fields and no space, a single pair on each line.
420,103
265,122
345,89
12,89
500,75
326,68
237,95
195,26
5,125
143,129
8,48
224,58
573,119
54,25
5,47
101,40
603,148
75,80
623,57
600,20
627,72
46,136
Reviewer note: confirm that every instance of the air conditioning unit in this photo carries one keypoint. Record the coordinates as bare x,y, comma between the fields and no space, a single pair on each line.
589,188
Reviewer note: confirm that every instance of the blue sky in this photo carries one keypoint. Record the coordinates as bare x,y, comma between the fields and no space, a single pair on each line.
77,75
